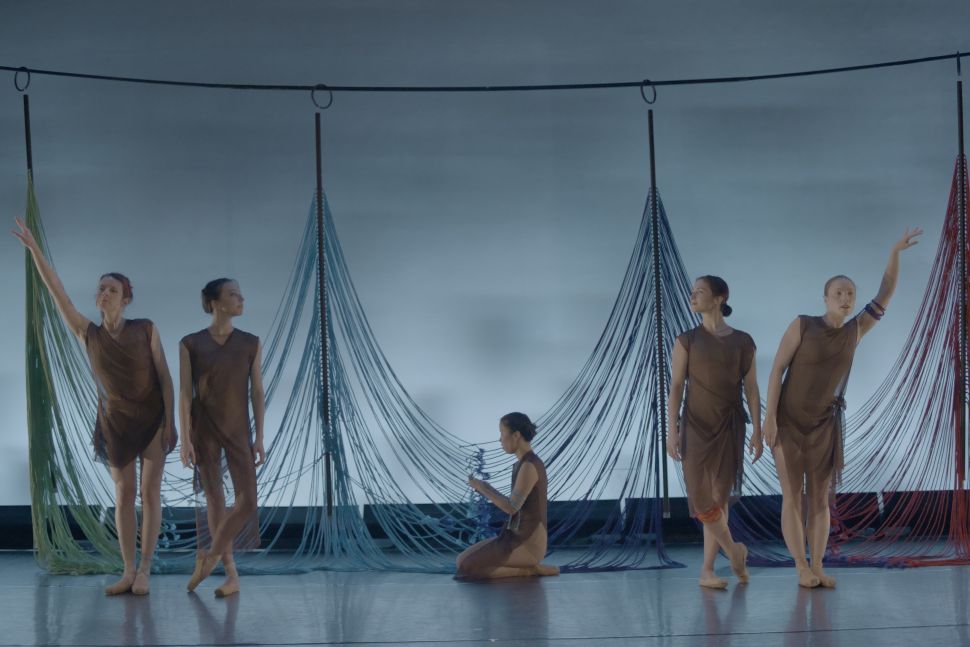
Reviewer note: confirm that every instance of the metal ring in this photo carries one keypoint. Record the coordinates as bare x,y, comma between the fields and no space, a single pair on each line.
16,79
643,94
313,96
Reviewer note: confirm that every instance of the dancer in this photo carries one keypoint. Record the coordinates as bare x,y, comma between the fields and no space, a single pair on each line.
803,417
219,375
708,436
519,548
135,408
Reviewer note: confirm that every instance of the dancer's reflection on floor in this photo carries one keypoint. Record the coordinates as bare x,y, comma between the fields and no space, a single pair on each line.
724,612
138,625
211,628
514,608
810,624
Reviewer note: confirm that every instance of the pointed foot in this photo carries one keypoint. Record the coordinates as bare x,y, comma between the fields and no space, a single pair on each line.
739,562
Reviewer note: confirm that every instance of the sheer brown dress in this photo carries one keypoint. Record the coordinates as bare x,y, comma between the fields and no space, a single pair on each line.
130,405
811,405
527,528
712,423
220,421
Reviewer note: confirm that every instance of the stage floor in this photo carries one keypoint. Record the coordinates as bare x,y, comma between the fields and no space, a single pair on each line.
926,606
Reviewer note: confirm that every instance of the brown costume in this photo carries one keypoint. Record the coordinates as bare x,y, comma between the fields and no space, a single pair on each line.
811,405
220,419
130,405
527,528
712,423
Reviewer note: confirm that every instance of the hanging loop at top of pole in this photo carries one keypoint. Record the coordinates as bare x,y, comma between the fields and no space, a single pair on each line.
16,79
643,85
313,96
959,71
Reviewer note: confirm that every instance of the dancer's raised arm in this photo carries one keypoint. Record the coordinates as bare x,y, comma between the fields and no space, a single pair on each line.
876,308
77,322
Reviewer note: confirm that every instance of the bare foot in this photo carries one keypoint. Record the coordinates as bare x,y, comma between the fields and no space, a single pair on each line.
205,563
739,562
807,578
121,586
546,570
711,581
141,586
823,580
229,587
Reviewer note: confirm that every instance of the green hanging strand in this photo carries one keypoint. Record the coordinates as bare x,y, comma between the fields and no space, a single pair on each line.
57,490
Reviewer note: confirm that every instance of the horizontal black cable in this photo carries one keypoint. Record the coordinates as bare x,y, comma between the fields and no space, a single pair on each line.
485,88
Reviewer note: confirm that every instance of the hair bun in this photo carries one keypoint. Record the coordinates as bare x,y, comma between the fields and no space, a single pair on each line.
519,422
726,310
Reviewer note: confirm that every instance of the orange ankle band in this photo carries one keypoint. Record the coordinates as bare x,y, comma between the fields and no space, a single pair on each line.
711,516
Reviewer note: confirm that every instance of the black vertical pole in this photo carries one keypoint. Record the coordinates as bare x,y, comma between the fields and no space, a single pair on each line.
661,346
30,156
324,324
962,214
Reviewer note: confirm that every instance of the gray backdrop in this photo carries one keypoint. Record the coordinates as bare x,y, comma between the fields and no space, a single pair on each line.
487,234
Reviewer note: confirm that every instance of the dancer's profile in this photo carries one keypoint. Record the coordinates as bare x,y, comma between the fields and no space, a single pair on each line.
804,410
135,417
715,362
519,549
219,375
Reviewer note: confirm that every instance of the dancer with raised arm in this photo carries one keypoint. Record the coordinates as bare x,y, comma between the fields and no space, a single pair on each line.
715,362
519,549
135,416
804,412
219,375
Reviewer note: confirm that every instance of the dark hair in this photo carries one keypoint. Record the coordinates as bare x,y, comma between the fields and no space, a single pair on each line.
519,422
832,280
126,292
211,292
719,288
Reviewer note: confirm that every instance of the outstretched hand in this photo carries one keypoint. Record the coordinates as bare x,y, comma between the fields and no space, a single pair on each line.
24,235
908,239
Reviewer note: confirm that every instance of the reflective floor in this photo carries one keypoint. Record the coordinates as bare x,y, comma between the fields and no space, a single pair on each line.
871,607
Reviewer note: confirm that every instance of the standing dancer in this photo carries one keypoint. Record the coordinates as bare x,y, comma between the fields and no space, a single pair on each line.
219,375
804,414
135,408
708,437
520,547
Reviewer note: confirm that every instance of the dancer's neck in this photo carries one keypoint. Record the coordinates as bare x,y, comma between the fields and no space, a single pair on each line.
221,325
833,321
714,323
112,323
